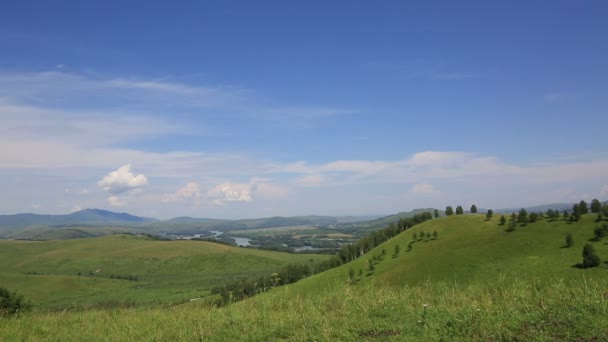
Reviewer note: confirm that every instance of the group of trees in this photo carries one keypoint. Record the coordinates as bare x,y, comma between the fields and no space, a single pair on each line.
459,211
351,252
244,288
523,217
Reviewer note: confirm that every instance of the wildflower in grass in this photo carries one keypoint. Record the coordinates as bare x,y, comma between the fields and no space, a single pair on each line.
423,317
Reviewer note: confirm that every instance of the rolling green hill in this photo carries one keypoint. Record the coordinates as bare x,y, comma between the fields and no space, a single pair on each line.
475,282
470,250
91,271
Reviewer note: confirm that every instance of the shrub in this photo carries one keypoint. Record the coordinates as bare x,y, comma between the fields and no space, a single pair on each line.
590,257
503,220
512,226
11,303
600,232
569,240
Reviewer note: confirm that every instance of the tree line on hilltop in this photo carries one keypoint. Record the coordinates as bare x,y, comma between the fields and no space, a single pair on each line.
244,288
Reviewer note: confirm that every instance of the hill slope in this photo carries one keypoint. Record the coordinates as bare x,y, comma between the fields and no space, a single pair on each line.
471,250
81,270
476,282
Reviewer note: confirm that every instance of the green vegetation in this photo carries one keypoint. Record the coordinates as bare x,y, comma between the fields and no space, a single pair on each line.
590,257
449,211
477,282
11,303
569,240
459,210
128,269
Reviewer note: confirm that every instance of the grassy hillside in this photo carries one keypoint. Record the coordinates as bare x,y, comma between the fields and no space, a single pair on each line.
69,232
474,282
471,250
80,271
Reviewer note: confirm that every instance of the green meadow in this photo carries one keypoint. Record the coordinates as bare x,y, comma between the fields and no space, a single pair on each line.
91,272
474,282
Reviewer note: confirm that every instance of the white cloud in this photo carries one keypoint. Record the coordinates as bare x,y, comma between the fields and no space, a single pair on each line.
423,188
75,208
122,180
189,192
230,192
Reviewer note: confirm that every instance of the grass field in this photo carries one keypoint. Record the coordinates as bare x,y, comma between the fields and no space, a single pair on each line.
78,272
510,310
475,282
471,250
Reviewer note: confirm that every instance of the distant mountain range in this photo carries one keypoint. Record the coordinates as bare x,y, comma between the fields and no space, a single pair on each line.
14,226
32,225
87,216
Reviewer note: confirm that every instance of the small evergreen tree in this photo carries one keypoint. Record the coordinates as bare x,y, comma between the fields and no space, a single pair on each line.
565,216
459,210
415,237
600,232
512,226
577,211
573,217
473,209
569,240
533,217
522,217
371,266
449,211
503,220
397,249
596,206
351,276
590,257
409,247
436,213
583,208
435,235
489,214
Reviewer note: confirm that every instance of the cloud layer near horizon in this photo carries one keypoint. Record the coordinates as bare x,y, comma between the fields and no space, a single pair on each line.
47,148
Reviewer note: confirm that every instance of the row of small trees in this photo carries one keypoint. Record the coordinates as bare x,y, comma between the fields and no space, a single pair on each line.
351,252
244,288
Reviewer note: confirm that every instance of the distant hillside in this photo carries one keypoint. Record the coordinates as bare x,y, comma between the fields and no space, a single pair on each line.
83,217
539,208
385,221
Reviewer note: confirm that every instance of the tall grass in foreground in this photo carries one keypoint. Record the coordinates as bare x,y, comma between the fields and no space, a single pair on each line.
506,310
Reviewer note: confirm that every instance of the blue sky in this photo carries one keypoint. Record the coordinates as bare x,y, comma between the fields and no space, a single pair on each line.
248,109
